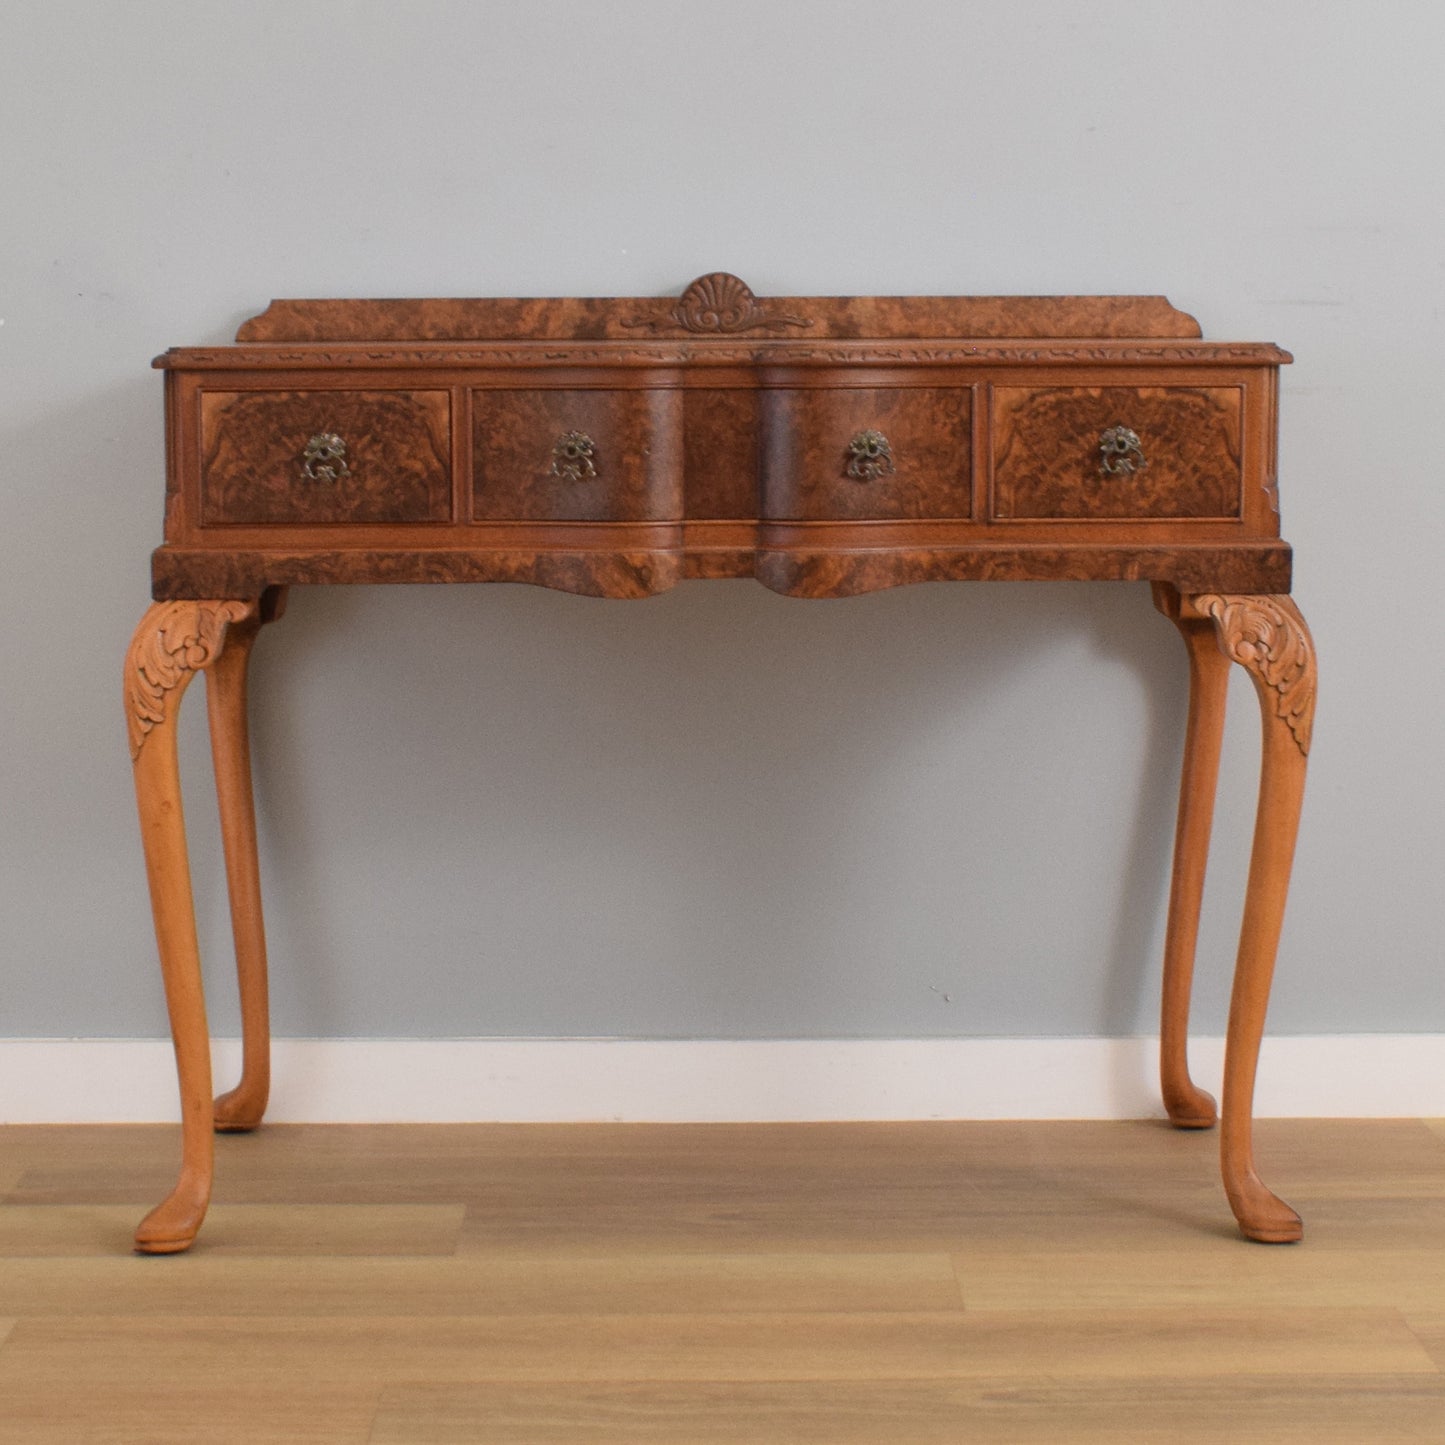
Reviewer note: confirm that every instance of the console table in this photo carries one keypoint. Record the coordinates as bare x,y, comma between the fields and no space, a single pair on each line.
825,446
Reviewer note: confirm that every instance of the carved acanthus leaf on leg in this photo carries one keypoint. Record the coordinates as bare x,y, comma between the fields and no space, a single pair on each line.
174,640
1268,637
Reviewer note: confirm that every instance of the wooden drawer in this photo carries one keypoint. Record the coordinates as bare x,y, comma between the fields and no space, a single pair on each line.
1079,452
577,456
325,456
851,454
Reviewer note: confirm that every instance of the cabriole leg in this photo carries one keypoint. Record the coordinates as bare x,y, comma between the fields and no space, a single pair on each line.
173,642
242,1108
1268,637
1188,1106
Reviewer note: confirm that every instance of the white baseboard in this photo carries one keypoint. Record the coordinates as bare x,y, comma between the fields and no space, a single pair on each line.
541,1080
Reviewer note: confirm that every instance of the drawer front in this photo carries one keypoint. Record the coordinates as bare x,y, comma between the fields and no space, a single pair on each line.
1080,452
325,456
851,454
577,456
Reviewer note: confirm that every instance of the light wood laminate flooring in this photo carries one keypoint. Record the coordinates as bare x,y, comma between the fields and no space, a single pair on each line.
912,1284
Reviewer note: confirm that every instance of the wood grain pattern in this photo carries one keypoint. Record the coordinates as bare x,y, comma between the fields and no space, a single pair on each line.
1047,458
805,440
1268,637
1359,1156
89,1232
591,573
636,473
921,1188
721,434
1221,1278
1189,1106
398,456
979,1344
242,1107
623,318
811,572
1062,1300
325,1270
1001,1411
107,1389
949,1167
1429,1328
796,571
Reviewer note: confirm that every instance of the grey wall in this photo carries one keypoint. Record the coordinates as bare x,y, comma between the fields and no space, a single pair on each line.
944,810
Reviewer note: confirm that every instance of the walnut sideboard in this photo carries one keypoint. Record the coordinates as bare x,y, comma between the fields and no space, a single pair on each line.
825,446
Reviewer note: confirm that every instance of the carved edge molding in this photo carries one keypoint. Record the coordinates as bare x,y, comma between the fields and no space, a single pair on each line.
713,350
1268,637
174,639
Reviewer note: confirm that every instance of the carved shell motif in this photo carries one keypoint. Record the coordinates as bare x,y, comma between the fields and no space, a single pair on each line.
723,304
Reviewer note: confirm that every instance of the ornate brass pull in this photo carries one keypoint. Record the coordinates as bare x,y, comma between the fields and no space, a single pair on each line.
324,459
1120,452
869,456
574,456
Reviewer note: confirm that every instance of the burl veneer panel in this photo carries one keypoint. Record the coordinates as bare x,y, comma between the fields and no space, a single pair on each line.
720,459
226,572
806,438
397,457
1249,567
721,305
633,471
1047,457
799,572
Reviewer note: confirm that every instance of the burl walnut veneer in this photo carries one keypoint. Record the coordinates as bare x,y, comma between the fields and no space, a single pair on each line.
825,446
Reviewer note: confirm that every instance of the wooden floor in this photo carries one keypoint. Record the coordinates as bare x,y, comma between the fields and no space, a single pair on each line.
728,1284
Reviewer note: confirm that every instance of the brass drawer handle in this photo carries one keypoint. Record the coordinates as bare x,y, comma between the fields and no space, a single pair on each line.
324,459
1120,452
574,456
869,456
